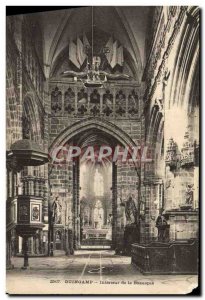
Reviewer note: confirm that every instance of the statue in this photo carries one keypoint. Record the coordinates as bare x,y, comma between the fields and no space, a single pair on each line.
131,230
130,211
189,194
163,227
56,208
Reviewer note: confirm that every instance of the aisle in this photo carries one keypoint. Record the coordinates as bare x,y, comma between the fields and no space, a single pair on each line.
100,269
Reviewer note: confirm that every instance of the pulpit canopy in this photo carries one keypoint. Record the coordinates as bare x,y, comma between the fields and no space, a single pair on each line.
27,153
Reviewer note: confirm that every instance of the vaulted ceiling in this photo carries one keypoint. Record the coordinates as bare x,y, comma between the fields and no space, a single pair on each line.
128,25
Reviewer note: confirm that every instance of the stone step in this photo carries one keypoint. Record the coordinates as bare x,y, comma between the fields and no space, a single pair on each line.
58,253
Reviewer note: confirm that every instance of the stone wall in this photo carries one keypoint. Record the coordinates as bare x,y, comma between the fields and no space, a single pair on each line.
171,104
127,178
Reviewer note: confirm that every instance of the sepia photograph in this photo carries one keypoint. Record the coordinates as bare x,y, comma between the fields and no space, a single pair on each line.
102,150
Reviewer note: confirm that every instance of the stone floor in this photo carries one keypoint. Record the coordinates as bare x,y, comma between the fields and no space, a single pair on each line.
87,272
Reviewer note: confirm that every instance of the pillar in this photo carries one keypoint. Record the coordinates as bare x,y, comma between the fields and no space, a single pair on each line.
25,251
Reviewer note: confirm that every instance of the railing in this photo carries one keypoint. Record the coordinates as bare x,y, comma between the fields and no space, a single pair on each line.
121,101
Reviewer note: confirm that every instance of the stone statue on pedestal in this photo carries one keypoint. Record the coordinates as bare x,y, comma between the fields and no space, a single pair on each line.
56,211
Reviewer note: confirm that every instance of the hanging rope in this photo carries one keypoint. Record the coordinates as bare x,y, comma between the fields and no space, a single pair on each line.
92,34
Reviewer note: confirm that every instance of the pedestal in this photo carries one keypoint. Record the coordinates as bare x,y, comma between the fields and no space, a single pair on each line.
184,224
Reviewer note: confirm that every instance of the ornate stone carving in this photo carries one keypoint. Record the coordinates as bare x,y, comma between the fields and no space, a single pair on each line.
35,212
56,100
120,111
69,101
189,194
95,110
172,155
120,103
23,212
95,97
187,152
108,103
108,98
82,110
107,111
152,87
133,104
82,97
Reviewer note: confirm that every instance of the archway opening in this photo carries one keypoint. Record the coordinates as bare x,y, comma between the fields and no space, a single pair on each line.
94,192
96,211
107,211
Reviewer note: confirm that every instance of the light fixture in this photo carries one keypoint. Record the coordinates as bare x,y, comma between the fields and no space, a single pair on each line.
93,76
93,67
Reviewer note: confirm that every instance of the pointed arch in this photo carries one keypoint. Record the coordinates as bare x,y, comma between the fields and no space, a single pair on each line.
92,123
187,58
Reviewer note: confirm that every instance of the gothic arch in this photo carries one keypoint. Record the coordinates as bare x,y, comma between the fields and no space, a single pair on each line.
124,25
154,116
30,112
155,134
187,58
63,56
92,123
132,39
58,35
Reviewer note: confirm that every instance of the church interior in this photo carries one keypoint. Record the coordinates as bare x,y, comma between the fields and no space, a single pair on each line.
104,76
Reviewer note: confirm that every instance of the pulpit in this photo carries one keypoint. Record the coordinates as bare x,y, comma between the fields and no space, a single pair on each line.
24,212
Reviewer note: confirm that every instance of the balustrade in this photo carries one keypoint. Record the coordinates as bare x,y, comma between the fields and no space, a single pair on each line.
114,101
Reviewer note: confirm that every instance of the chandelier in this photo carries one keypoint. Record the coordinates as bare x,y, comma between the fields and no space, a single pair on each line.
95,78
93,75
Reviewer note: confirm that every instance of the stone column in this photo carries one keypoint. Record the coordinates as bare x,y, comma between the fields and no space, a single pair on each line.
20,244
89,101
76,204
9,264
25,251
76,99
63,99
31,186
26,187
114,206
101,101
114,102
126,103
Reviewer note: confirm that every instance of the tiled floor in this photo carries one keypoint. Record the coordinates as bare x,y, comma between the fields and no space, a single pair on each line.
91,271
